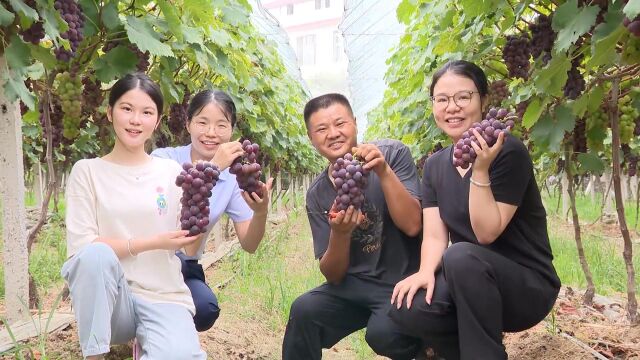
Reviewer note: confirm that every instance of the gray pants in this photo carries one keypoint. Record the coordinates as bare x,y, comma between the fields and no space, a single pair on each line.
107,312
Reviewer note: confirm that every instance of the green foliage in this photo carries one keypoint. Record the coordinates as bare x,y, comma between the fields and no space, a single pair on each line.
191,45
441,30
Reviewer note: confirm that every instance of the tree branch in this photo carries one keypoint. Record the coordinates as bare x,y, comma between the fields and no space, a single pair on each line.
44,210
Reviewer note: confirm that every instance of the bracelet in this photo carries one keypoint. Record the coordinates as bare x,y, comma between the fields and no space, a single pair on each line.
129,247
479,183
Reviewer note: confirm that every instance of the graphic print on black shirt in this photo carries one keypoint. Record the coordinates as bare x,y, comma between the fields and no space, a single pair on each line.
369,233
378,248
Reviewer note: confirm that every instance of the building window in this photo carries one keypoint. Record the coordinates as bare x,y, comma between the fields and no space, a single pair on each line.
327,4
290,9
306,49
337,46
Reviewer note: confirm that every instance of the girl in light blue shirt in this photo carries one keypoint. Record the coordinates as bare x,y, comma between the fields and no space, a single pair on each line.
210,120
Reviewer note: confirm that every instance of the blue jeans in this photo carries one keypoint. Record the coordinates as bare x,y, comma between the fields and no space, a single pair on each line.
107,311
207,309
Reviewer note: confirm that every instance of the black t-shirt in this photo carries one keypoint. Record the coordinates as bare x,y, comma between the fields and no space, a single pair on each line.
379,249
525,239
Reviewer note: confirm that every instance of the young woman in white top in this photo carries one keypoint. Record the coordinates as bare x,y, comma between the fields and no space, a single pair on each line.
122,218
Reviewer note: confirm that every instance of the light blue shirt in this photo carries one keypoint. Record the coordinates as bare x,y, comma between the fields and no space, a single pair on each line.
226,195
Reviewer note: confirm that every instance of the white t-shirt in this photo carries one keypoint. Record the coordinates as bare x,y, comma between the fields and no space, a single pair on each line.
104,199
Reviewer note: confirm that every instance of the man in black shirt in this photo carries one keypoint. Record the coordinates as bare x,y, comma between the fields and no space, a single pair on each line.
363,253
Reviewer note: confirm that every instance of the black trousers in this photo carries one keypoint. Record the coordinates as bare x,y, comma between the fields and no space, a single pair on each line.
204,300
481,294
323,316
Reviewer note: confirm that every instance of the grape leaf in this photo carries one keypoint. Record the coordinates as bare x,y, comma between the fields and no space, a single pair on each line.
588,101
220,37
534,110
590,163
50,21
15,88
473,8
603,49
551,79
612,20
405,10
171,15
6,16
191,35
115,63
233,15
20,6
17,55
143,35
92,21
570,22
44,56
110,16
632,9
549,130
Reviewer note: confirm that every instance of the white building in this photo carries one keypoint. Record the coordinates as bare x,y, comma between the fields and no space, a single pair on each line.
312,26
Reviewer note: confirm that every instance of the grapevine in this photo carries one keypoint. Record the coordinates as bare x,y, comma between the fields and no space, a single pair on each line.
55,116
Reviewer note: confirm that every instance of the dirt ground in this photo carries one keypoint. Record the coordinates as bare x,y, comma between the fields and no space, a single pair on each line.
573,331
601,329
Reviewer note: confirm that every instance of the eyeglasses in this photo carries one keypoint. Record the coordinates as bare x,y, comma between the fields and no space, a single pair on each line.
219,128
461,99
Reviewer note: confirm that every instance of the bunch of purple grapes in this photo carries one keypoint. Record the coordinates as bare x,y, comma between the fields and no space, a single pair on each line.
489,129
575,80
516,53
632,25
92,96
351,180
72,14
542,38
197,183
247,170
35,32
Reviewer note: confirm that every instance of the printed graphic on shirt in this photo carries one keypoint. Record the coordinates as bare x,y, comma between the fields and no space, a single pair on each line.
369,232
161,201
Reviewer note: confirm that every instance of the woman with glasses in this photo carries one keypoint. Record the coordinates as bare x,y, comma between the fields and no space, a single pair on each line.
497,275
211,117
